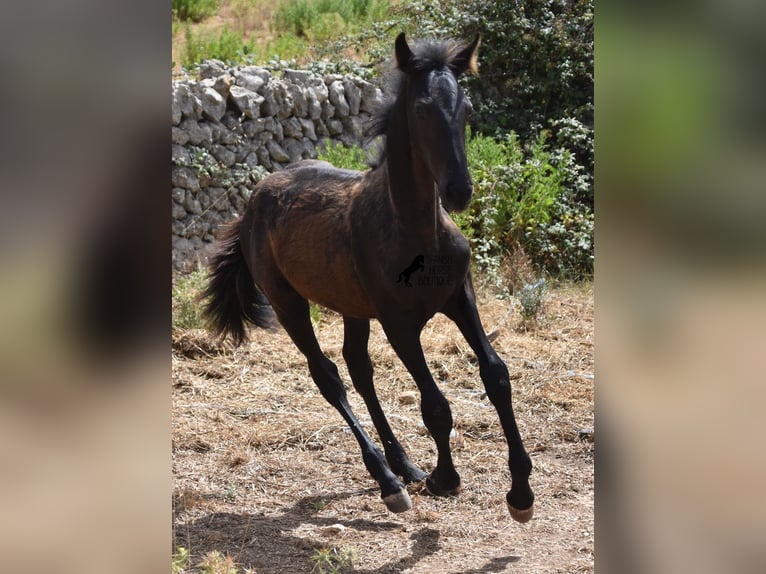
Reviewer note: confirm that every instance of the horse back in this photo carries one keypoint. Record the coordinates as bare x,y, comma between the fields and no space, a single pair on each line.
298,225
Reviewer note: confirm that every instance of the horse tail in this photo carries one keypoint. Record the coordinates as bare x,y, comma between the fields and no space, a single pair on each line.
233,300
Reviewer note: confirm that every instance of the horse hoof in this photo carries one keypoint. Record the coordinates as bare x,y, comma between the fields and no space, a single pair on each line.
521,516
398,502
436,490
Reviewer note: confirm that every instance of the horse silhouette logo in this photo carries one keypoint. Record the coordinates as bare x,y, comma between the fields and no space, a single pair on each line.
416,265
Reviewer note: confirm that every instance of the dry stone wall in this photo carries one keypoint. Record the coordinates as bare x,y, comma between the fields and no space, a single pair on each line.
234,125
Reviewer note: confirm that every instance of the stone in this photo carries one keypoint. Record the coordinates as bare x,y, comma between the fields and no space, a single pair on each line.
178,211
372,97
192,204
227,136
222,85
408,398
317,86
186,178
299,76
269,107
180,155
334,126
300,107
178,194
213,104
328,110
262,73
188,103
211,69
310,151
247,101
223,155
294,149
199,133
283,99
264,158
253,127
276,152
353,95
338,99
307,127
219,198
251,82
292,128
353,126
315,106
178,136
251,160
175,111
321,129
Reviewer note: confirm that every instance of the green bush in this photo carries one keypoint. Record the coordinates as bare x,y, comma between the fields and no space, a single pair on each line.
194,10
228,45
341,156
324,19
523,198
186,308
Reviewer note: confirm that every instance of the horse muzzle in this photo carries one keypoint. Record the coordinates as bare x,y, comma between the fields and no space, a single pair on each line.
456,196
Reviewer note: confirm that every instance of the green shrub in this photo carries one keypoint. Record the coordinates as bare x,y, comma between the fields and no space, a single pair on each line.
531,297
341,156
228,45
324,19
523,198
186,308
194,10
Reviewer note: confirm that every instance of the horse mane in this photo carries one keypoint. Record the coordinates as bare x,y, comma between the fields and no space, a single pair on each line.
428,55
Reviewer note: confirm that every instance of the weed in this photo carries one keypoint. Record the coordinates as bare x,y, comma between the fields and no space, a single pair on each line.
187,310
228,45
344,157
315,312
531,297
194,10
216,563
332,560
326,19
180,560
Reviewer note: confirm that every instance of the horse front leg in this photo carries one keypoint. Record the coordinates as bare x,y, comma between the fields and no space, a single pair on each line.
434,407
494,374
356,337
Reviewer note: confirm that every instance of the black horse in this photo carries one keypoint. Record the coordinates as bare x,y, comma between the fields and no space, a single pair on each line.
336,237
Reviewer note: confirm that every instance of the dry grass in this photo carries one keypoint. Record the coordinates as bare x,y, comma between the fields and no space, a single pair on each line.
267,474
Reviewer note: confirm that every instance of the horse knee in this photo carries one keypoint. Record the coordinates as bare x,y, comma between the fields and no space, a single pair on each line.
437,415
496,381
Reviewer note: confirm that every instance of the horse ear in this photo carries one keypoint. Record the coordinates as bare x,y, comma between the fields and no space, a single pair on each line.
403,53
468,58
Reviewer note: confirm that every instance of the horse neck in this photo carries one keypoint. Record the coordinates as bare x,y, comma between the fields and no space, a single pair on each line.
411,189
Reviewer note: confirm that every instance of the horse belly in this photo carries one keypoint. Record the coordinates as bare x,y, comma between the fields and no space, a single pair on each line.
320,268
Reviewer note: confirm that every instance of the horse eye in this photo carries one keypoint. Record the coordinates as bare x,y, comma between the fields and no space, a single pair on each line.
420,110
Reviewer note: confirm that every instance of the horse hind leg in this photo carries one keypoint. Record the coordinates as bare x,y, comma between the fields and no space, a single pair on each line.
355,338
293,313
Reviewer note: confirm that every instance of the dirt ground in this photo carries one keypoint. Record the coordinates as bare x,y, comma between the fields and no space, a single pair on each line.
266,472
